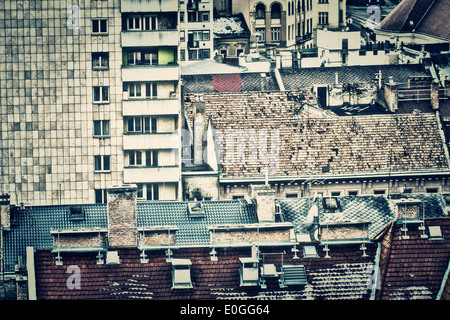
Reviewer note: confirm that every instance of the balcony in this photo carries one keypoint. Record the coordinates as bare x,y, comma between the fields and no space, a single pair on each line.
150,73
150,107
154,38
145,141
151,174
149,6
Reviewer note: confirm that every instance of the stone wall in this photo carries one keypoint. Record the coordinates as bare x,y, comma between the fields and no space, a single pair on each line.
82,239
279,232
161,237
341,232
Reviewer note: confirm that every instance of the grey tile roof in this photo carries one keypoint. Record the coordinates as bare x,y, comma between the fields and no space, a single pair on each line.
34,223
377,209
295,79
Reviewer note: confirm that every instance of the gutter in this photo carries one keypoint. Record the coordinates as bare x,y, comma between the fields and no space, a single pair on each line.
336,177
376,274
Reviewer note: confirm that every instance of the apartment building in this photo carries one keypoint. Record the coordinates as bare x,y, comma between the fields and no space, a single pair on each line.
89,98
151,97
196,30
286,25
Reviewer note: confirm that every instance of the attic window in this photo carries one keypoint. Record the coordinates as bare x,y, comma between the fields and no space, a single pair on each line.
196,209
435,233
181,274
76,213
331,204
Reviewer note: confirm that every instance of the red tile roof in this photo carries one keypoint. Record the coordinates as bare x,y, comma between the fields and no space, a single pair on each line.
413,268
423,16
343,276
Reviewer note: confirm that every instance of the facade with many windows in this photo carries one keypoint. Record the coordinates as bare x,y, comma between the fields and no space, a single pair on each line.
90,98
196,25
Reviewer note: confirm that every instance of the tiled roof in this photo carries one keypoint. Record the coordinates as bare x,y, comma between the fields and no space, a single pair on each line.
231,27
228,82
296,79
414,268
379,210
34,223
343,276
307,145
375,209
427,17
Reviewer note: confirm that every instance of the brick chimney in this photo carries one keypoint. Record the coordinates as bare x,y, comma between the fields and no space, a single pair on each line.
435,94
265,202
122,216
390,91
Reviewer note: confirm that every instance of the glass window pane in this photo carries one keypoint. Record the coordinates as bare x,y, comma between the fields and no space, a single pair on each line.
106,127
106,163
105,94
97,163
96,93
97,128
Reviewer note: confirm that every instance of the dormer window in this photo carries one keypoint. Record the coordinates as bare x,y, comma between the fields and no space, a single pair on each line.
248,272
76,213
181,274
331,204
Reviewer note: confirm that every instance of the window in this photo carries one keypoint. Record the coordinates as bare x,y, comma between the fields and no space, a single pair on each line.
151,158
432,190
275,34
435,233
182,16
137,23
100,195
135,158
291,195
200,35
335,194
323,17
182,36
260,11
142,58
101,94
199,54
100,60
353,193
260,34
310,252
407,190
101,128
151,90
142,124
102,163
182,55
134,90
99,26
323,1
194,16
380,191
275,12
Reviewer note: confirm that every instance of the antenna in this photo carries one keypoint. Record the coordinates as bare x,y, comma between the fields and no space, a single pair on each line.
213,252
422,223
363,245
169,252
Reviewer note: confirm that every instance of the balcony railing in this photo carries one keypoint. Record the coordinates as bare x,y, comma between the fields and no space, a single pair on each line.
153,38
151,174
149,6
150,107
142,141
168,72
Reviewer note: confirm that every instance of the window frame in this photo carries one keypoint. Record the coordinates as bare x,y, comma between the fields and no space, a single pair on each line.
104,162
101,56
103,127
96,24
101,94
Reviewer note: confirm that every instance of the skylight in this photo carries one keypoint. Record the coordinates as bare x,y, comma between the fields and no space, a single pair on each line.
310,252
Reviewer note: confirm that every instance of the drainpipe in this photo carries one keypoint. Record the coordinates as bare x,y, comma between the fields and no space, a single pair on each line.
376,274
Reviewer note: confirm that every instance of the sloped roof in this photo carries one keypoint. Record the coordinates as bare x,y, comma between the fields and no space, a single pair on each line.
423,16
34,223
297,79
302,145
231,27
414,268
375,209
345,275
229,82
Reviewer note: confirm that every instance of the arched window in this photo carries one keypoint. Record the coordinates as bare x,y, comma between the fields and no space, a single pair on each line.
260,11
275,12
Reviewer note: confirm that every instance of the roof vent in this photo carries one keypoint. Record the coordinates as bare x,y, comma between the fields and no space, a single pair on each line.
293,275
248,272
196,210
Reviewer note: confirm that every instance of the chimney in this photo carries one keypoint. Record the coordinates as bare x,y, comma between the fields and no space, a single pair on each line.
391,94
199,129
435,95
265,202
122,216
